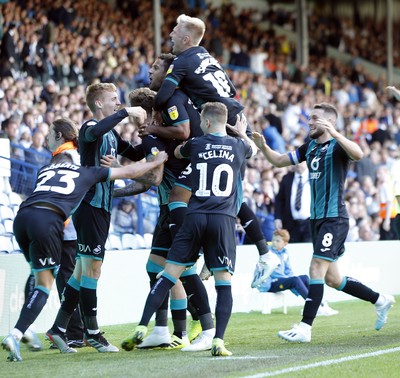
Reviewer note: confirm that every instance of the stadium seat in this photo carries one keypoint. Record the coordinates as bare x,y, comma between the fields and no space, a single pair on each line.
14,198
130,241
274,300
148,239
2,229
8,226
15,209
6,244
114,242
15,244
4,200
6,213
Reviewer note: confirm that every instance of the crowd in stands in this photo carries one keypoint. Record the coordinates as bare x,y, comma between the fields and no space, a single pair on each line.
51,49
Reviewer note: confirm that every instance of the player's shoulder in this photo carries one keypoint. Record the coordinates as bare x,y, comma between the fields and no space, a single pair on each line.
89,122
179,96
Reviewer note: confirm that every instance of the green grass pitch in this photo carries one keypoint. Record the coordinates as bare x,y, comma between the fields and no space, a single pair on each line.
344,345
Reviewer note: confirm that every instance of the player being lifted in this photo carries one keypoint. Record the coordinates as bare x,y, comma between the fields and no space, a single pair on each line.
200,75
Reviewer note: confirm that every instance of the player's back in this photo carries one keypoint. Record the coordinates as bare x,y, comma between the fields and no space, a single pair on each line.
204,80
64,185
216,179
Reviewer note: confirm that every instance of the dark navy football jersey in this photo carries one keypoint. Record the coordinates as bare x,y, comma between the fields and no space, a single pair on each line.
97,138
328,165
200,75
180,109
64,185
172,166
216,178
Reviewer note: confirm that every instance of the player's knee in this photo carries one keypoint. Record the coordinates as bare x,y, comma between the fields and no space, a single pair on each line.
333,281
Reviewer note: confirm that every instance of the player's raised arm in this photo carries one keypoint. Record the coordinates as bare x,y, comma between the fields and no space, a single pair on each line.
275,158
138,169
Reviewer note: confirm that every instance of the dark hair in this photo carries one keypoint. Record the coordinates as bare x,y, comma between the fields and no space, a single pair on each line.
68,129
143,97
167,59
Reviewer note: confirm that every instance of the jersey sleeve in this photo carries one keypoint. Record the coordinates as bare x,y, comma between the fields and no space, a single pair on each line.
102,174
150,142
175,112
299,155
125,149
185,149
94,129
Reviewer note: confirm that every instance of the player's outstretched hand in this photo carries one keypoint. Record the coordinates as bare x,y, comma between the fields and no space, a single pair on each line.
240,126
137,113
109,161
258,139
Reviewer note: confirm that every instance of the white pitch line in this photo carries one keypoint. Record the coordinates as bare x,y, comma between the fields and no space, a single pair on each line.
242,358
324,363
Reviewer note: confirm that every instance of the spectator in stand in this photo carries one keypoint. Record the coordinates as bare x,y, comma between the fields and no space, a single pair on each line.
10,128
8,54
49,93
125,218
37,153
292,205
37,156
263,211
388,204
365,232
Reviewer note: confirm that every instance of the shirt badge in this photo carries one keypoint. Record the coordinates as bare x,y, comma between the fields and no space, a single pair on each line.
173,112
171,67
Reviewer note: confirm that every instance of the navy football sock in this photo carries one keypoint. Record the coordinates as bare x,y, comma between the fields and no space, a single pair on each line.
357,289
161,319
223,307
178,312
32,307
156,297
313,301
252,227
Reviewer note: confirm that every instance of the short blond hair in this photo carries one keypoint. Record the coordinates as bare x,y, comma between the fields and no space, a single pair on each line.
95,91
194,26
216,111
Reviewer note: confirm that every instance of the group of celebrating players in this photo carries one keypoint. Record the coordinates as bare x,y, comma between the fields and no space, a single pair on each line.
190,99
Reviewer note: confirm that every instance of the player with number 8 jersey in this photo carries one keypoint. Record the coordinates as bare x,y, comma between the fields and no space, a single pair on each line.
328,154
